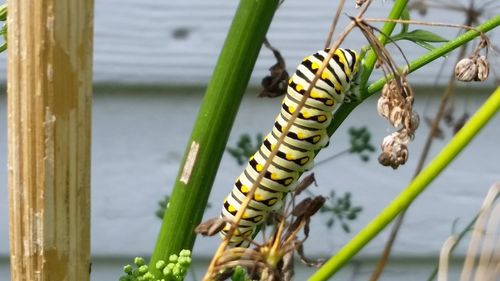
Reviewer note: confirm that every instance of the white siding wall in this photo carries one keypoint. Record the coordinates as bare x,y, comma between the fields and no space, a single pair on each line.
136,41
139,139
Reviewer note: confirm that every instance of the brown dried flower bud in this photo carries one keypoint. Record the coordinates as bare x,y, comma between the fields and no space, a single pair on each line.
211,226
383,107
483,68
414,122
396,105
394,149
466,70
396,116
388,88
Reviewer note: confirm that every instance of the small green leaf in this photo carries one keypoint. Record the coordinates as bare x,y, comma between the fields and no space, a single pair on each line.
419,35
425,45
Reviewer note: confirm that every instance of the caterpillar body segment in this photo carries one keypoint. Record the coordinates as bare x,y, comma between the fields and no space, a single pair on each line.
296,153
309,116
298,160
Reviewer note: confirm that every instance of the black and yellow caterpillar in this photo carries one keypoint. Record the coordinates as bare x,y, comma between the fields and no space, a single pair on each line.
295,155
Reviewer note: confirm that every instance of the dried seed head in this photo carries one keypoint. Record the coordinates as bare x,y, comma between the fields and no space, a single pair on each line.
396,116
483,68
396,105
383,107
394,149
466,70
414,122
389,89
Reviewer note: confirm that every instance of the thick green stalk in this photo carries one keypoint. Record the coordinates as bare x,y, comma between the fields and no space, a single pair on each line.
405,198
346,108
212,127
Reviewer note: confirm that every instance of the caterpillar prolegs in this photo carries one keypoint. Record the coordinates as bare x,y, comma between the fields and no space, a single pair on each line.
295,155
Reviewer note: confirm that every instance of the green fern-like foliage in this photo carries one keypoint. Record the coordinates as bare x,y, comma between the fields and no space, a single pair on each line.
360,142
245,148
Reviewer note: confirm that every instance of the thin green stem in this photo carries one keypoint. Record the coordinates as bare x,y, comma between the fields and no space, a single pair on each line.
441,51
387,28
405,198
346,108
211,130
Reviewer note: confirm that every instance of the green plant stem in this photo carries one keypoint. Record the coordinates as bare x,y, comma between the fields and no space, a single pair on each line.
371,58
346,108
441,51
404,199
212,127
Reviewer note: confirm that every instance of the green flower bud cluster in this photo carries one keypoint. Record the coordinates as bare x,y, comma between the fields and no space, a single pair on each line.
174,270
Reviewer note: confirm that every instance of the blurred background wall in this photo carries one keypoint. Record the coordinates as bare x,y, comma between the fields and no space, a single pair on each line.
152,60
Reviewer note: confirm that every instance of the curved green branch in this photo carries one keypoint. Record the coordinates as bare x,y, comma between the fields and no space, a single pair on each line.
345,109
405,198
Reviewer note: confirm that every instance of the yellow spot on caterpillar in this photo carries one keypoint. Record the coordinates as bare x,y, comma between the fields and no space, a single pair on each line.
316,139
289,157
274,176
329,102
321,118
245,215
288,181
299,88
338,87
259,167
314,65
231,209
244,189
272,146
306,114
324,75
300,136
291,109
258,197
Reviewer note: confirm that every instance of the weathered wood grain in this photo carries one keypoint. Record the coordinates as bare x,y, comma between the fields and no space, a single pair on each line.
49,108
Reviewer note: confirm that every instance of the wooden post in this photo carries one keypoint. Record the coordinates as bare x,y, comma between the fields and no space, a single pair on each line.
49,108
